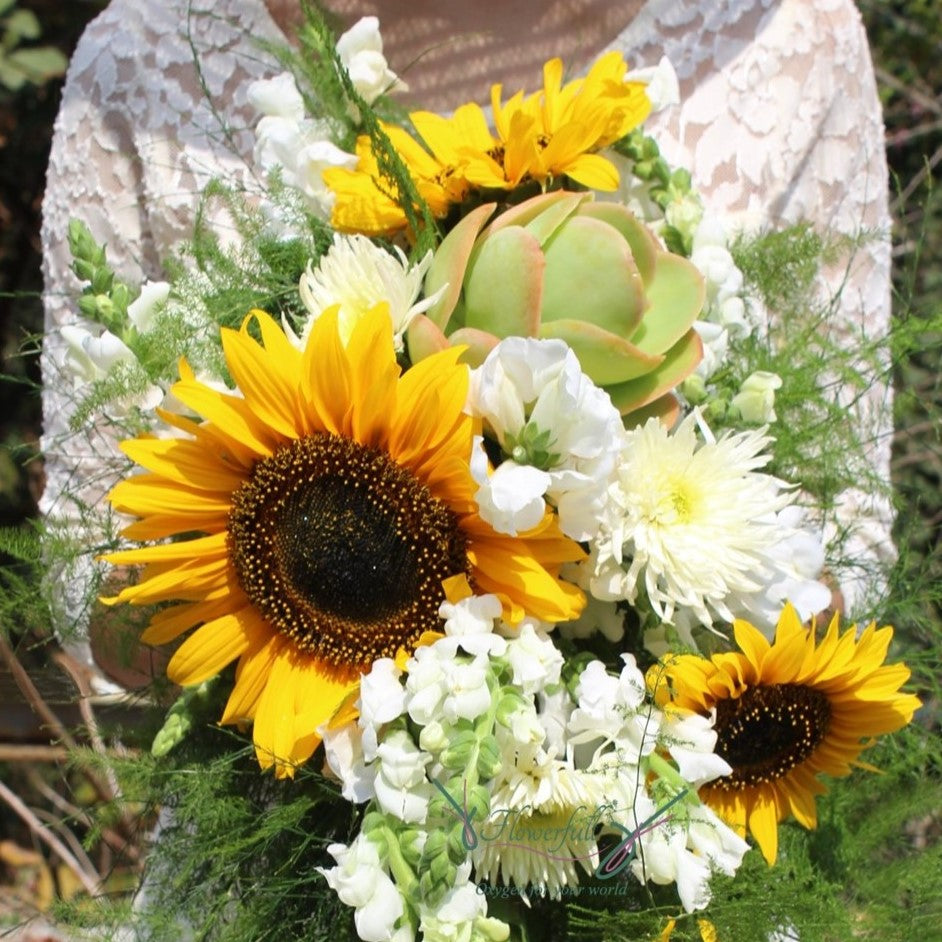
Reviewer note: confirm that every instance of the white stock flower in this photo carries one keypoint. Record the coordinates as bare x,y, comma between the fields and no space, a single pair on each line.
663,88
755,401
547,414
691,520
357,274
360,881
360,50
510,498
401,786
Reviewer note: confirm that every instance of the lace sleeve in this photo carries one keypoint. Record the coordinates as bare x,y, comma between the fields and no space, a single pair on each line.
780,122
154,106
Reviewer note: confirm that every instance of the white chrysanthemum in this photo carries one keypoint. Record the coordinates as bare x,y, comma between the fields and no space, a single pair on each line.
542,824
560,431
358,275
691,521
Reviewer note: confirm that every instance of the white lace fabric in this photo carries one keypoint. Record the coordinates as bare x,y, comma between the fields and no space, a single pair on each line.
779,122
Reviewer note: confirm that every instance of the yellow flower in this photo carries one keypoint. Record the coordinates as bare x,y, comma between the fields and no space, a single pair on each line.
317,515
786,712
542,138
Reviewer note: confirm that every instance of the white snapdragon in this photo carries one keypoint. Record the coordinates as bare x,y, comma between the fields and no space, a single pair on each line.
755,401
691,740
613,710
560,431
663,87
297,146
360,50
469,625
343,751
439,686
357,274
724,281
401,786
461,915
361,881
536,662
143,310
382,700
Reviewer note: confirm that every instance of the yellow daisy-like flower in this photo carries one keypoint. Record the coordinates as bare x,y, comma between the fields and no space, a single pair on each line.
544,137
318,514
786,712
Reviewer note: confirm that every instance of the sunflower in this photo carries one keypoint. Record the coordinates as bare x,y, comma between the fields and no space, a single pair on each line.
787,711
317,514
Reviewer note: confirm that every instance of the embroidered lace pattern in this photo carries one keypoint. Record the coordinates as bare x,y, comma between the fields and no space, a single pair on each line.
779,121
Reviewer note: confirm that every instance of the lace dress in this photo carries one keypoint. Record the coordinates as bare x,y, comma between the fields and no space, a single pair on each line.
779,122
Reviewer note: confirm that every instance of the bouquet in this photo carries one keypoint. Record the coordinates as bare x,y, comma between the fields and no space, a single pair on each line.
453,481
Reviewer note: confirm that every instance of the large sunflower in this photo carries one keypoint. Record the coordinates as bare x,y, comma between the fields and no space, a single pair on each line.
786,712
318,513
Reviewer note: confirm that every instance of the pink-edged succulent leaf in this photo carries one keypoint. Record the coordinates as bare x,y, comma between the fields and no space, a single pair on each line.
450,262
676,297
666,409
423,338
643,243
562,202
479,344
604,357
678,363
503,285
591,276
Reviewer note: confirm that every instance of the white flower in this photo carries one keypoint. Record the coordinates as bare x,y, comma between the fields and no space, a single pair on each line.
546,414
382,699
440,686
663,87
143,310
510,498
401,786
535,660
664,858
277,97
343,750
469,625
715,341
691,520
358,275
360,880
755,401
724,281
461,915
360,50
691,740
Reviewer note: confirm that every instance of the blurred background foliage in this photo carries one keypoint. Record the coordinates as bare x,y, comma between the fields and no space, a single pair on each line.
37,36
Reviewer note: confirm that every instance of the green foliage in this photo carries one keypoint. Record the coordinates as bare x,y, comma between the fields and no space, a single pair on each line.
20,65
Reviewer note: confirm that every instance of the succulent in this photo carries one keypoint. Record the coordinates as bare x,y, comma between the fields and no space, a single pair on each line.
566,266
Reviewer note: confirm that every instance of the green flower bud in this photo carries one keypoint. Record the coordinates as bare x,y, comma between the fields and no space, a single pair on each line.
694,389
433,737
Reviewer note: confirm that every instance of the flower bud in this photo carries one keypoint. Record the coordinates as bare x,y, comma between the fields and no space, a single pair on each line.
755,401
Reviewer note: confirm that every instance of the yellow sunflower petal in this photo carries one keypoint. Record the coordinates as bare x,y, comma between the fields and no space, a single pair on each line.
763,825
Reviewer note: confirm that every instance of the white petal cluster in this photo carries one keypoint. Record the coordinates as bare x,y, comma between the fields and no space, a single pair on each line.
461,915
361,881
360,50
440,686
663,86
534,390
693,521
357,274
469,626
299,147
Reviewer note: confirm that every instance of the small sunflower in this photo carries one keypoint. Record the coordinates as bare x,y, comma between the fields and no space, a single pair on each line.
787,711
316,516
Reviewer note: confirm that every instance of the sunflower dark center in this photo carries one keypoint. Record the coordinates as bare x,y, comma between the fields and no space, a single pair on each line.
768,731
343,550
